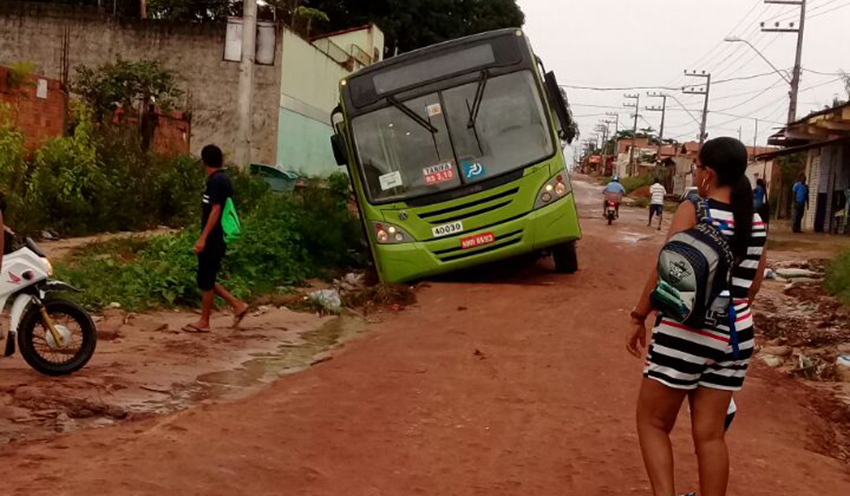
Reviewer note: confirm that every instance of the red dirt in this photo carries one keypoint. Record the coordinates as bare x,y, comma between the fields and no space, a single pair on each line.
502,384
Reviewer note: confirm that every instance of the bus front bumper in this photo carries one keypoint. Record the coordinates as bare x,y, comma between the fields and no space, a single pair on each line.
540,229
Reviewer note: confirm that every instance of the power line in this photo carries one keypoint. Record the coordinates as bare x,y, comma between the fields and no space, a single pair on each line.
819,73
830,10
762,92
745,78
618,88
738,95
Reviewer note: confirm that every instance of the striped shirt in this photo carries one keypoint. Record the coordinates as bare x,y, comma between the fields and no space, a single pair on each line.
682,357
657,191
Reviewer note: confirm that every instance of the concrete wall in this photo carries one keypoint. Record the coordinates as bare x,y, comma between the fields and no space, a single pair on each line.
35,32
309,91
370,40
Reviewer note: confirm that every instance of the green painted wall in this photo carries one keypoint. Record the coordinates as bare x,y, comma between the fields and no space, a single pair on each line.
304,145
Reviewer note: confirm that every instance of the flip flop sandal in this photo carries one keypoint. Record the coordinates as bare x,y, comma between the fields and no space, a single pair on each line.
192,328
237,318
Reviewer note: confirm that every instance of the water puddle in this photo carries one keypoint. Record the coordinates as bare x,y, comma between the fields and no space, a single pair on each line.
260,370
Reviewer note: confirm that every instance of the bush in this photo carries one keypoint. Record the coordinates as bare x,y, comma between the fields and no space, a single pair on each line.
635,182
838,277
96,180
286,238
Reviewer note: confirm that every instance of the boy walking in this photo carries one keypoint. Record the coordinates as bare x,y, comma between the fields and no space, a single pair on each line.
211,246
656,204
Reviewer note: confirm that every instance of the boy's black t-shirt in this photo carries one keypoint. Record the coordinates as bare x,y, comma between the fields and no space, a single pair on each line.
218,190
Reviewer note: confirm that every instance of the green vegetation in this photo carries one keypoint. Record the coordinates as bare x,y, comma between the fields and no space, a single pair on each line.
286,239
408,24
95,180
635,182
838,277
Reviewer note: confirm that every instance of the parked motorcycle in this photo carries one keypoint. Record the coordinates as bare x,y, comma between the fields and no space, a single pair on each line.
56,336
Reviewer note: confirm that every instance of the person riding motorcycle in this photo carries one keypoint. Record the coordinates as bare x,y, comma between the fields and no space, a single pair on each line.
614,191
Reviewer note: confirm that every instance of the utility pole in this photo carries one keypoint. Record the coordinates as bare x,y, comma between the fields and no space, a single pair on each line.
663,110
616,122
800,29
636,106
246,83
604,129
756,135
705,91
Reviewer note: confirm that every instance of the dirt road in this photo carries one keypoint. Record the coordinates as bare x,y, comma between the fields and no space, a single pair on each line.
503,382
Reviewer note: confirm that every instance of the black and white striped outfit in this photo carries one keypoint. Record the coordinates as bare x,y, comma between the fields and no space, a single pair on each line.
685,358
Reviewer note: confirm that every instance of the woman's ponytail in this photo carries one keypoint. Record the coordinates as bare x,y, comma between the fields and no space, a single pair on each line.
743,210
728,158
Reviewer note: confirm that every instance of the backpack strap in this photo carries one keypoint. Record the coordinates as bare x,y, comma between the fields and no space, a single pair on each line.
702,209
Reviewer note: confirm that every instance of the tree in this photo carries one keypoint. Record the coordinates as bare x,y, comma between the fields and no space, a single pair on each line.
407,24
310,15
135,87
412,24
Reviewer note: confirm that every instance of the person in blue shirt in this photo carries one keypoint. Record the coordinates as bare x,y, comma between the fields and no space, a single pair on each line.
613,188
760,199
801,196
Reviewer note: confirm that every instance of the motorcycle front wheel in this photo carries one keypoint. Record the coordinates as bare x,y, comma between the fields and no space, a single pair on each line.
39,346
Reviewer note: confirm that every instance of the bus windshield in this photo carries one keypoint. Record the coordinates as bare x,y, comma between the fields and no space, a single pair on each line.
438,142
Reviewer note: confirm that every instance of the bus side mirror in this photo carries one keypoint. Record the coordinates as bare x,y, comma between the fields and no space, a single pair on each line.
338,146
558,101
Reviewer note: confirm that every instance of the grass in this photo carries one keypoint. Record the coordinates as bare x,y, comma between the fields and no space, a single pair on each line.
837,280
633,183
285,239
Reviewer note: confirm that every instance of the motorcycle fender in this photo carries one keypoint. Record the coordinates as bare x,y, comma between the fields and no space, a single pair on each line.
52,285
20,305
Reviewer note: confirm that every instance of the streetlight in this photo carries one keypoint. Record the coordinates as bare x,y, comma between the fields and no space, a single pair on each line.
736,39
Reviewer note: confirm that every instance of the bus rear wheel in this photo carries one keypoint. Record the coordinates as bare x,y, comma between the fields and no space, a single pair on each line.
566,260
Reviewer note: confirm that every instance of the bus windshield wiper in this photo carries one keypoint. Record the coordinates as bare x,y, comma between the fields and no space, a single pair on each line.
413,115
479,97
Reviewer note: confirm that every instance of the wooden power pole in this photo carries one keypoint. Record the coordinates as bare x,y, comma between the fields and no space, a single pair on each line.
704,91
800,29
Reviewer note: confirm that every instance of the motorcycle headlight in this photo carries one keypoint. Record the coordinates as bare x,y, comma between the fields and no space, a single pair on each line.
554,189
388,234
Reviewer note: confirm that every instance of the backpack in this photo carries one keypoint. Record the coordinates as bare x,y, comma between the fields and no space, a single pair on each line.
695,276
230,223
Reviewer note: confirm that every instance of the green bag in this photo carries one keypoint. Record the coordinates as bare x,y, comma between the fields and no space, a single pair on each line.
230,223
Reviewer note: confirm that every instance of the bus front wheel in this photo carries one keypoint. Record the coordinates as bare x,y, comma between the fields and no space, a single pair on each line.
566,260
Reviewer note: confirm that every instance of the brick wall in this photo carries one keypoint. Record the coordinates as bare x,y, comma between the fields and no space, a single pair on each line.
40,117
37,32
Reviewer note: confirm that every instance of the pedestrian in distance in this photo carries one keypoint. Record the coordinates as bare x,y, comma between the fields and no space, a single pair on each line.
708,364
656,205
801,197
211,245
760,200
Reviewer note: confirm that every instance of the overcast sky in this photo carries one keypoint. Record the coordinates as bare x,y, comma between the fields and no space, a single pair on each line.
625,43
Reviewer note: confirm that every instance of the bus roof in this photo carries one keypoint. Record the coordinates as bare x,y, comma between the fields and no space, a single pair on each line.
435,48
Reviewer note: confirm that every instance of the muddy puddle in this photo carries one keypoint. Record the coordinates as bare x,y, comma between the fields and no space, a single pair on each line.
148,373
260,370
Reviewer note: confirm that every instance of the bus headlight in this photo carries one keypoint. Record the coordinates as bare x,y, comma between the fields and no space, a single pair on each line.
388,234
554,189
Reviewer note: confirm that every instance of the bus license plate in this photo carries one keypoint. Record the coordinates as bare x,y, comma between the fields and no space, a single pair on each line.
447,229
477,240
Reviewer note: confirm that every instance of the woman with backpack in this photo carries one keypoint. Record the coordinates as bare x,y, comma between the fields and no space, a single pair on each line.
705,363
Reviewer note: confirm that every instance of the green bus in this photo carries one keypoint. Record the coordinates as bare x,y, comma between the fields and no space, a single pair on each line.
455,157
